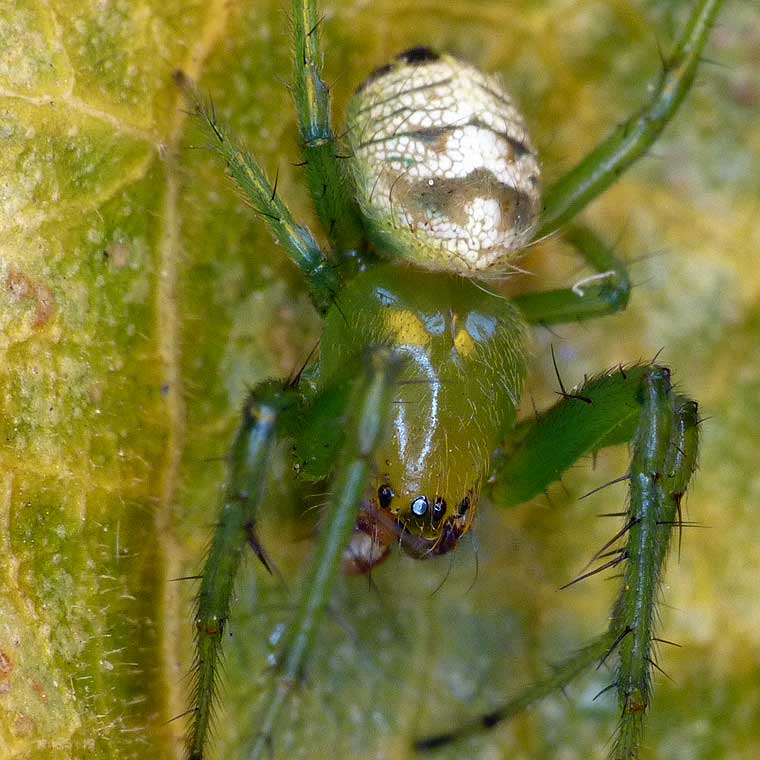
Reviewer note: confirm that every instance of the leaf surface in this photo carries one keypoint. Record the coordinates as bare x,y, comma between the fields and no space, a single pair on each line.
139,298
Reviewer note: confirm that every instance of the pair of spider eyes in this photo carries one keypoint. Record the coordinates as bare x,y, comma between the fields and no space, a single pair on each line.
419,506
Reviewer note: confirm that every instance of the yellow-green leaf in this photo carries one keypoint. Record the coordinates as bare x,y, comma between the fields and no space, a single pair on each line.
139,298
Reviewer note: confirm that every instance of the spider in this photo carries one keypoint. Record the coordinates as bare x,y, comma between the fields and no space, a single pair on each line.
410,410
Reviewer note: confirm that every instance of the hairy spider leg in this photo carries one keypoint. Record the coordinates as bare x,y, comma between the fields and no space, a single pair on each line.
265,412
323,154
609,290
605,292
274,410
319,271
665,453
366,421
636,405
604,164
561,675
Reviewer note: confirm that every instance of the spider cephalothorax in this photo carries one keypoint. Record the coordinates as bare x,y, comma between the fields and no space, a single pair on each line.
455,339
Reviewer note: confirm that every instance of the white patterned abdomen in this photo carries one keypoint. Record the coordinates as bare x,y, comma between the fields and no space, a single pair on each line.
445,170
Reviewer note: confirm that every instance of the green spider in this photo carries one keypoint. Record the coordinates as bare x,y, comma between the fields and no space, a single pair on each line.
410,409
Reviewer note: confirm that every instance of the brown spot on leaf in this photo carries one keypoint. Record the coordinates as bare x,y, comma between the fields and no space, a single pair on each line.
39,690
6,665
23,288
24,726
118,255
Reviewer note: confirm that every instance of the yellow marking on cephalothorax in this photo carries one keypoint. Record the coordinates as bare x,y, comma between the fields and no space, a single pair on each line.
407,328
463,343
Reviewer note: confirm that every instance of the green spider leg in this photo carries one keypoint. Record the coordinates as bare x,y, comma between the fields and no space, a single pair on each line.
608,291
323,154
634,405
327,180
266,412
275,410
297,241
605,292
603,166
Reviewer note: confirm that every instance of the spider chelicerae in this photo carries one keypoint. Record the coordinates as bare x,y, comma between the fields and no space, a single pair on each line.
409,411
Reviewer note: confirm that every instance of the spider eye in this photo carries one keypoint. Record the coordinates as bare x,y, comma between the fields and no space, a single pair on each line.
420,506
439,509
464,506
385,495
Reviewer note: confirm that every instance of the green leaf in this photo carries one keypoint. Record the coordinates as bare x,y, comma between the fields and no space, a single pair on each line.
139,298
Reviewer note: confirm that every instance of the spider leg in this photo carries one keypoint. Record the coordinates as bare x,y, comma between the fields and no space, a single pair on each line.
275,409
631,140
272,410
266,409
367,416
605,292
636,405
267,406
561,675
605,411
296,240
323,155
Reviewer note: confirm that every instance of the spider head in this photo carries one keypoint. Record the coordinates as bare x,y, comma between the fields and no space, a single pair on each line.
424,527
444,168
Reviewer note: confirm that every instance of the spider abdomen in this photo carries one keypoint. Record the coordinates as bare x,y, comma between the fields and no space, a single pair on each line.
465,353
444,166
